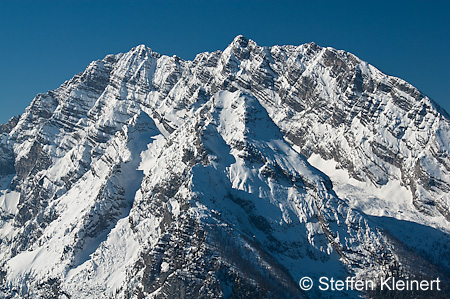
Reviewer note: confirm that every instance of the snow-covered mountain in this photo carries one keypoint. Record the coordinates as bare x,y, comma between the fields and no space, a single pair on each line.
232,175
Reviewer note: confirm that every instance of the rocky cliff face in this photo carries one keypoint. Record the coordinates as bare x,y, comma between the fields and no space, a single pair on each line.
151,176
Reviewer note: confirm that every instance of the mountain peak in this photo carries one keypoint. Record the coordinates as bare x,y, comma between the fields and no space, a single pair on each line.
142,50
140,47
149,176
240,41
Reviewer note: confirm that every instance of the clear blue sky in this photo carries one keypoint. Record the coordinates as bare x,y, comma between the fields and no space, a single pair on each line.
45,42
